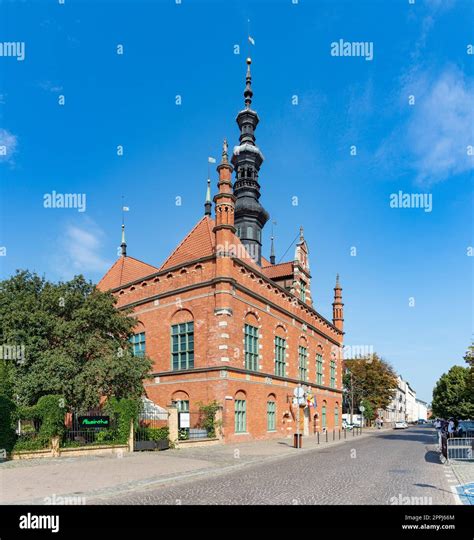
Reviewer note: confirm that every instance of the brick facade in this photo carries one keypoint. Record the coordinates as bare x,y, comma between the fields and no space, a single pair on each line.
211,280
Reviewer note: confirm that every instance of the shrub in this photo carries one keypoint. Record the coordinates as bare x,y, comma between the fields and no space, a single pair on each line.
125,410
208,417
7,433
48,414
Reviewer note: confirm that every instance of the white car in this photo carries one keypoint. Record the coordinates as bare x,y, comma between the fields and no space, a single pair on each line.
400,425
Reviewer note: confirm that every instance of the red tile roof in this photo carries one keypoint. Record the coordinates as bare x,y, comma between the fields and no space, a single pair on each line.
200,242
276,271
123,271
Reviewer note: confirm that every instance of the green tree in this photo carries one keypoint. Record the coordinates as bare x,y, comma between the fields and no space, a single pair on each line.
453,394
7,408
369,413
371,379
76,343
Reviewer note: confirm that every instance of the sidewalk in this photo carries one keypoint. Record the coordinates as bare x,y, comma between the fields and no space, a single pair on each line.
464,473
31,481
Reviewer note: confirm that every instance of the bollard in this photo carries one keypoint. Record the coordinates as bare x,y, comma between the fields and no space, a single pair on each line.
326,435
339,434
318,437
333,435
345,434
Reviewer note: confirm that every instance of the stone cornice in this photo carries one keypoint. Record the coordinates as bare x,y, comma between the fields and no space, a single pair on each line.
244,372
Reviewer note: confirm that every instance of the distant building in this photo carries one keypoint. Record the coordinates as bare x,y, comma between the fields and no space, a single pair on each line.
396,411
411,406
422,410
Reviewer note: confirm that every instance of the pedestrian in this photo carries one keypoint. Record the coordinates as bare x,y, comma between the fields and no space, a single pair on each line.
451,428
438,426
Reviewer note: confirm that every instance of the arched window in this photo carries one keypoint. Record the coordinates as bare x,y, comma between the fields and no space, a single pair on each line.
249,232
303,360
251,348
271,413
319,366
182,341
138,341
280,352
240,413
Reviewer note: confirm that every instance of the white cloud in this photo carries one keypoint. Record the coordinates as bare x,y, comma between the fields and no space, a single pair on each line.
8,145
441,126
80,250
431,145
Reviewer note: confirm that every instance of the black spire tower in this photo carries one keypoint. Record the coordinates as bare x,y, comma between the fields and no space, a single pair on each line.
250,216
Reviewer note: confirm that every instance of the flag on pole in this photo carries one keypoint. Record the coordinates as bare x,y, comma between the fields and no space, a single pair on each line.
125,208
251,40
211,160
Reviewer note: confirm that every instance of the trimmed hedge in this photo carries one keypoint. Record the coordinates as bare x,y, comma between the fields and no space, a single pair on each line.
49,411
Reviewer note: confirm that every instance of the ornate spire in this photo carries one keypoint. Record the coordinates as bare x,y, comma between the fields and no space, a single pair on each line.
272,252
338,306
225,149
301,234
248,94
208,203
123,245
224,200
250,216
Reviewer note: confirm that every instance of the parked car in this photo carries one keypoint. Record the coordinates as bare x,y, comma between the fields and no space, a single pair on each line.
422,421
400,425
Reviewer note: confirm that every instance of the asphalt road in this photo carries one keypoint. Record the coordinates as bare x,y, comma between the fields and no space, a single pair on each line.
393,467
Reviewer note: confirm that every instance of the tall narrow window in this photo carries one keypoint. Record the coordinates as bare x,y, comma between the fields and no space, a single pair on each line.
336,415
302,291
138,344
182,346
303,367
319,369
323,416
240,413
280,351
333,374
251,347
271,416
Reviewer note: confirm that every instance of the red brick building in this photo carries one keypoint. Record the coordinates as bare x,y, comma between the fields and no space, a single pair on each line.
221,322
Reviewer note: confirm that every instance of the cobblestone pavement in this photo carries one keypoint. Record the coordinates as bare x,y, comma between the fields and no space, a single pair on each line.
389,467
38,480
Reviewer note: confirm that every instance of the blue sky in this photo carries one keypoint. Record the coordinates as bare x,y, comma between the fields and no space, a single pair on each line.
188,49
